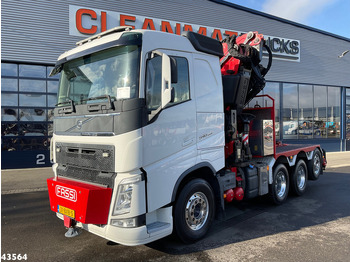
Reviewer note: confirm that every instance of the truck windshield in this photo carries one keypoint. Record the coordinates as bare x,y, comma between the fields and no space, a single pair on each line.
113,72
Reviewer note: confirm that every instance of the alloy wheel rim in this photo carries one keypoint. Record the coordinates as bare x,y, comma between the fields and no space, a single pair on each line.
197,211
281,184
317,164
301,177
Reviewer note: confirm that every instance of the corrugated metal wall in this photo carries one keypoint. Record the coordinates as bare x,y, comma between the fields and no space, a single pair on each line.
37,31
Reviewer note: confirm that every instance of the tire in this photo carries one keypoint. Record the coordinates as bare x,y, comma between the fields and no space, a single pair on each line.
194,211
280,185
298,180
314,165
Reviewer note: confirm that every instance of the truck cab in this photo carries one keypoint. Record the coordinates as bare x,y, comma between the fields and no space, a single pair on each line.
137,110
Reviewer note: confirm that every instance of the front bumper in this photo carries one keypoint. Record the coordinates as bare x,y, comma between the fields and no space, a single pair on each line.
91,205
86,203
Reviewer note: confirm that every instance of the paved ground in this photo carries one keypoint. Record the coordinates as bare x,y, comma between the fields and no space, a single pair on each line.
24,180
338,159
314,227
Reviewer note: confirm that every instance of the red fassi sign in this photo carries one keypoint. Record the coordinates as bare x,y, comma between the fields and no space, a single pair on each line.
66,193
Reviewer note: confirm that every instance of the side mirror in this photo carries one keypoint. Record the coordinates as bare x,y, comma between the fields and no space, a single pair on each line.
164,72
166,80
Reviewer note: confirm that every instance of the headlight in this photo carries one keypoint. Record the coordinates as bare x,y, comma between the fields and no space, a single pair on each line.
124,195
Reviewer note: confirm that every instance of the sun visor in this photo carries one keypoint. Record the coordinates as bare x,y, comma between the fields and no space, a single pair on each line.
204,44
128,38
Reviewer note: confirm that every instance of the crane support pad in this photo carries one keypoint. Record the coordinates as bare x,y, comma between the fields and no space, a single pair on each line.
86,203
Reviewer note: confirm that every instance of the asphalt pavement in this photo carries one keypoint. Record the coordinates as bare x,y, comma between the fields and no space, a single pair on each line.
34,179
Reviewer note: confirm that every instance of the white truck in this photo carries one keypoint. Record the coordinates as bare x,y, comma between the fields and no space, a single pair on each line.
151,135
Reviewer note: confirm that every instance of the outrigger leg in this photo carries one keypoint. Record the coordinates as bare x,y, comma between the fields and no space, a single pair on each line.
72,230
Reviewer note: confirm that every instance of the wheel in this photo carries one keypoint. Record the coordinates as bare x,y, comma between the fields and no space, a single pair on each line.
280,185
314,165
298,179
194,211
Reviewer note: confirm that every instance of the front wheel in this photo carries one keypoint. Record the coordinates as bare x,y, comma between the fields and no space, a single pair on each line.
194,211
280,185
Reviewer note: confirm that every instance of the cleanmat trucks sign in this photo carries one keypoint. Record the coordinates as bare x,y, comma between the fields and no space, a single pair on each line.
89,21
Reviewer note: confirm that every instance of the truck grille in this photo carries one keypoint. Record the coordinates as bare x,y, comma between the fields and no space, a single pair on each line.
87,175
85,162
95,157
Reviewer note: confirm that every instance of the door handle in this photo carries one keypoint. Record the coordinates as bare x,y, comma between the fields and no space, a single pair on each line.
188,141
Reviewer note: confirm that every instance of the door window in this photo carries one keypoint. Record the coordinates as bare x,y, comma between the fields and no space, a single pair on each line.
182,87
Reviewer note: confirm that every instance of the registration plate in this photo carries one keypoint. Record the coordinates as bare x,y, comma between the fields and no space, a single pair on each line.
66,211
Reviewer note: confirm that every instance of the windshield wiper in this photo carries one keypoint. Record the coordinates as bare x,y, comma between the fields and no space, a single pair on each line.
108,97
69,109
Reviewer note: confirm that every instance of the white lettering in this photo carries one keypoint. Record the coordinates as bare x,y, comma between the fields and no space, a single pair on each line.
66,193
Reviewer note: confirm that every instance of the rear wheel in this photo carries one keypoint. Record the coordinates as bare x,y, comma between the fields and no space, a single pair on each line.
280,185
299,178
194,211
314,165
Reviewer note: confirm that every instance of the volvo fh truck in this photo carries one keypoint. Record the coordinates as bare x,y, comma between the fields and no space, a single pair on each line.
154,133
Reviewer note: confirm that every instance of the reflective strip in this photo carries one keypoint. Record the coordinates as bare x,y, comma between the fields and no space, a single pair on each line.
245,139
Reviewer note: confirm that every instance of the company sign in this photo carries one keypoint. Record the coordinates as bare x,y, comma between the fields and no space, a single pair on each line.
66,193
89,21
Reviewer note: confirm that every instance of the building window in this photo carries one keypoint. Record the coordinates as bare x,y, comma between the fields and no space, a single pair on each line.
9,69
32,71
272,89
333,112
28,97
290,111
9,84
320,111
305,112
310,111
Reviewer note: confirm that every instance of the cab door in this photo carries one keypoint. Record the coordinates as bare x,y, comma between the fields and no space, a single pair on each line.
169,138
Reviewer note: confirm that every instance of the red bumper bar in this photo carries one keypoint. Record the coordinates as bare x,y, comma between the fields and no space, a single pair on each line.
85,203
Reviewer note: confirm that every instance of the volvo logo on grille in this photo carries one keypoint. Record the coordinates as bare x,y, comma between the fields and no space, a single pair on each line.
79,124
66,193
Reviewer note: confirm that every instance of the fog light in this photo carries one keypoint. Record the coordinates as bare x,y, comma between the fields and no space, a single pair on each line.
127,222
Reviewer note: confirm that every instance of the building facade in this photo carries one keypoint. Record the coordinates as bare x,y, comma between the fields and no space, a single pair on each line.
309,82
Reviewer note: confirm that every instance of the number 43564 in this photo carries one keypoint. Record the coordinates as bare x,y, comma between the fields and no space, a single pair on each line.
13,257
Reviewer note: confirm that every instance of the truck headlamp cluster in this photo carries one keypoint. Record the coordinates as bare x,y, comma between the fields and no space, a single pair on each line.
124,195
